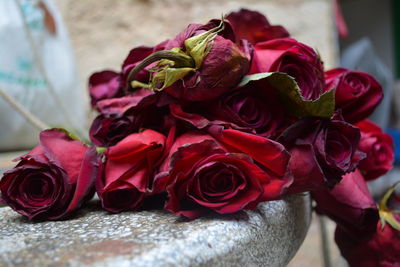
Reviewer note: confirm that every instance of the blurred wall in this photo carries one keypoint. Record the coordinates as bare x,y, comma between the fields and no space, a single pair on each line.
103,31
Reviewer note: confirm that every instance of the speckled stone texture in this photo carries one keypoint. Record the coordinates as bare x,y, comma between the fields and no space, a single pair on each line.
268,236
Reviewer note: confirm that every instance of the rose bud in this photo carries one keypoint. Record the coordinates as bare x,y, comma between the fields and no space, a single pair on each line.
254,26
349,203
127,173
104,85
378,147
201,63
204,175
293,58
357,94
52,180
322,151
121,116
380,248
377,247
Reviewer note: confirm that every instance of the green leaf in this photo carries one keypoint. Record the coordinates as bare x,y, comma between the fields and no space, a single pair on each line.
290,95
386,214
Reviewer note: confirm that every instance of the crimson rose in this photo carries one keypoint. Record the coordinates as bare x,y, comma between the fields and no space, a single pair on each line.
254,107
254,26
322,151
126,175
378,146
380,247
103,85
293,58
125,115
356,93
219,68
349,203
52,180
203,174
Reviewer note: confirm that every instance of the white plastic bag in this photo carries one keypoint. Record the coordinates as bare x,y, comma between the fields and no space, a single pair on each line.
22,77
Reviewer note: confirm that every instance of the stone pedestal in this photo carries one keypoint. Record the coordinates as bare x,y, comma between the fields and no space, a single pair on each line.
268,236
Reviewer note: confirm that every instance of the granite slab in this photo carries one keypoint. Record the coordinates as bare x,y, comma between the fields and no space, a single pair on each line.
268,236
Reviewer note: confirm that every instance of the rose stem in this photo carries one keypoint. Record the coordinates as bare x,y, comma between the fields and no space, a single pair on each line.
35,121
179,60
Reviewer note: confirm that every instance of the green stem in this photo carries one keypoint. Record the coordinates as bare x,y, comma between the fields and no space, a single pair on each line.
180,61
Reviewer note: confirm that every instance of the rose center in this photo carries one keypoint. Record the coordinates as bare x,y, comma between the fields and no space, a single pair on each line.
218,182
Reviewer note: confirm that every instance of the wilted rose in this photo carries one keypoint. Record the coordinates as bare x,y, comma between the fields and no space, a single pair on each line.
125,115
127,173
380,247
378,147
293,58
254,26
322,151
357,93
104,85
52,180
254,107
349,203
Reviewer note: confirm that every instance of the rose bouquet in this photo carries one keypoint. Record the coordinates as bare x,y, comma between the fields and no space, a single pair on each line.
219,118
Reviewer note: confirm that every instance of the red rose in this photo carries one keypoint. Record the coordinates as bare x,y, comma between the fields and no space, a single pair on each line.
322,151
357,94
125,115
254,107
378,147
200,63
293,58
349,203
126,175
203,175
370,248
254,26
52,180
104,85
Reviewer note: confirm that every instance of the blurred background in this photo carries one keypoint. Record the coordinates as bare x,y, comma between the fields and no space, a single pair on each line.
49,49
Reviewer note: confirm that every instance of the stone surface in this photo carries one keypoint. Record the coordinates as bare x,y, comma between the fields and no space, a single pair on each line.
268,236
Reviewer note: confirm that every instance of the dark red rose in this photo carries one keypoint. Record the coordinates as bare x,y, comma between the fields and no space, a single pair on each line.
293,58
104,85
322,151
378,147
122,116
357,94
254,107
127,173
201,63
370,248
204,175
254,26
52,180
221,69
349,203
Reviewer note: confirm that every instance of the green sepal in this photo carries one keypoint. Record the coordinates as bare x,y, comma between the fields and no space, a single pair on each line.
386,214
166,72
290,95
198,46
70,133
100,150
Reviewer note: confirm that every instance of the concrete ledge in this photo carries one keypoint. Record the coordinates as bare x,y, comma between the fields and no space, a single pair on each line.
268,236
